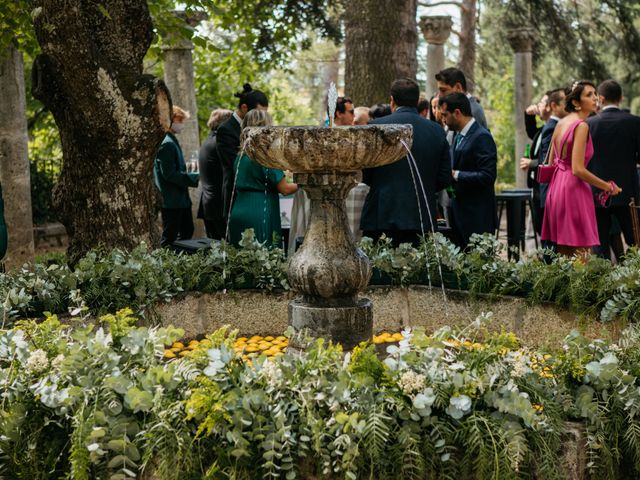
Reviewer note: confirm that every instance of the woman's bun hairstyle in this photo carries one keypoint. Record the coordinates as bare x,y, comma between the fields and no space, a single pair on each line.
250,97
574,92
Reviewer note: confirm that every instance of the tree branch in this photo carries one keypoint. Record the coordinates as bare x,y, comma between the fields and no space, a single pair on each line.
461,36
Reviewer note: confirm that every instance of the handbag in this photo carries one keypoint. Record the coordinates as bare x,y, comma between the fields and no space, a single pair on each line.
544,172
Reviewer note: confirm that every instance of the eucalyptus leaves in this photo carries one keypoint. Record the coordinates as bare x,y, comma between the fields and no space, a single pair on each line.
139,279
99,402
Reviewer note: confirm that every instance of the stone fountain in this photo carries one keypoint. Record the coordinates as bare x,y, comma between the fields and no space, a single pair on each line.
329,270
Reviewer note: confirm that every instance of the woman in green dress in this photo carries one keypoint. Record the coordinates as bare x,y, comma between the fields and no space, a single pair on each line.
257,204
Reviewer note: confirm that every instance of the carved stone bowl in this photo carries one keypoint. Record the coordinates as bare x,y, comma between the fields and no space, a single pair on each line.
323,149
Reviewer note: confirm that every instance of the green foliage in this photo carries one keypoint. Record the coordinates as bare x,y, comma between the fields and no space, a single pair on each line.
104,281
95,403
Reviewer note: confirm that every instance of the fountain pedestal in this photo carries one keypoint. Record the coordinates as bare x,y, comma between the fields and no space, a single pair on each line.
329,269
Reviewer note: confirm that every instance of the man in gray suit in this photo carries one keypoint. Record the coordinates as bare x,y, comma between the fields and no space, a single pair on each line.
451,80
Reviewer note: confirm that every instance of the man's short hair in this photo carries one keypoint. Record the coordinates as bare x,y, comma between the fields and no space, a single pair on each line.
379,110
405,92
610,90
451,76
555,96
423,104
341,105
456,100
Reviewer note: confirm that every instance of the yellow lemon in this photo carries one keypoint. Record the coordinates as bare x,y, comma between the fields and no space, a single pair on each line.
242,339
269,338
378,340
169,354
179,345
184,353
397,336
264,346
251,349
255,338
282,338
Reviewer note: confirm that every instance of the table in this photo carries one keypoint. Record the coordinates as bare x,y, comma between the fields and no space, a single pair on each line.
516,201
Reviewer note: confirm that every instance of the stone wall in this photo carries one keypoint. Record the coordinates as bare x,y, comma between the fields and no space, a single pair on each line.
258,312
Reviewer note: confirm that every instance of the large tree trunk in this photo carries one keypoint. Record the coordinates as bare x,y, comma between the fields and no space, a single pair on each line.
467,52
111,117
14,160
381,42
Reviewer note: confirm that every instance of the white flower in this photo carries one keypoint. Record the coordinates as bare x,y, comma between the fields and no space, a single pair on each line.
458,406
37,361
57,361
411,382
423,401
215,362
271,372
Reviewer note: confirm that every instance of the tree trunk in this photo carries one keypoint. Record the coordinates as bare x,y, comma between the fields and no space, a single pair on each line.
110,115
467,57
14,160
380,43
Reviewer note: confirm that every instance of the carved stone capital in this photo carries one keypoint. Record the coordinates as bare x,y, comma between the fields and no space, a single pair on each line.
436,29
521,39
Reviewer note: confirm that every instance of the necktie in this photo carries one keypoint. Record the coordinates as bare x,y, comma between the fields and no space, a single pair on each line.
459,138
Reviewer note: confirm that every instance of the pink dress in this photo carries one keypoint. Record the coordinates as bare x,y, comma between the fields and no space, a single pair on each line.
569,212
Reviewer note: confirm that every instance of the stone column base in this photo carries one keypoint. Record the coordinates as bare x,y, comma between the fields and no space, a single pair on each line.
349,325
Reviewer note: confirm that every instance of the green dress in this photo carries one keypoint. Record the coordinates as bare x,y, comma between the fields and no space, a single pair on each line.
257,204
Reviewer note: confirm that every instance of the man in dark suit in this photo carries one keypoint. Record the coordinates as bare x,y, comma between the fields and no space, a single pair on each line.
228,141
452,80
616,143
475,158
540,145
210,208
391,206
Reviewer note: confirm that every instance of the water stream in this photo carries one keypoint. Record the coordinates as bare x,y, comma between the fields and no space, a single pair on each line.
413,165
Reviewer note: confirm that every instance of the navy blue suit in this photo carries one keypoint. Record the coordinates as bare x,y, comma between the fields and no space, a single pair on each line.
473,208
392,202
616,154
545,145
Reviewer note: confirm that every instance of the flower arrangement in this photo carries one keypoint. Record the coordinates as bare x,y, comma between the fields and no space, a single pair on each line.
102,401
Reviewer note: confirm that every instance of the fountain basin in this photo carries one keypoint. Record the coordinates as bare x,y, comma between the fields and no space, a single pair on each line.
322,149
329,270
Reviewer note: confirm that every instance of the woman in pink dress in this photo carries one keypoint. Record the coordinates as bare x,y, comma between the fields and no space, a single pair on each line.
569,214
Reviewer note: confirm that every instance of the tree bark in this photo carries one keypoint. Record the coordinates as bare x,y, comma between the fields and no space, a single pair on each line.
380,43
14,160
467,52
110,115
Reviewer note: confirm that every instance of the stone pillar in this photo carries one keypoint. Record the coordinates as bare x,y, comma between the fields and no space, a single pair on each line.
521,40
14,160
179,77
436,31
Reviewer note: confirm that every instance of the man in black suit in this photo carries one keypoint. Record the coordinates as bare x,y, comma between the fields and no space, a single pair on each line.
540,145
616,143
391,206
228,144
452,80
475,159
210,208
